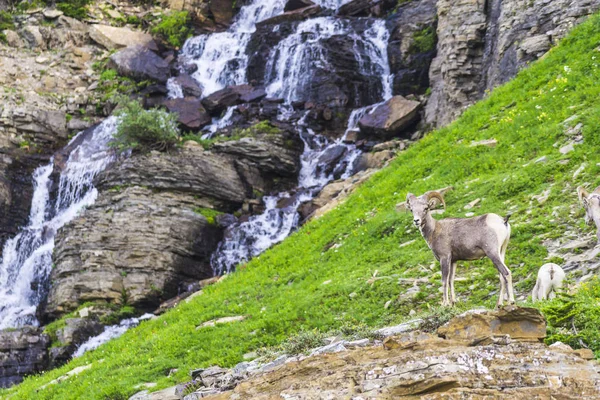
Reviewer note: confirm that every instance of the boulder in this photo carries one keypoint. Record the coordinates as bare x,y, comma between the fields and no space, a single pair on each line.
301,14
140,63
330,159
218,101
75,332
33,37
112,37
222,11
23,351
189,85
356,7
390,118
293,5
520,323
191,114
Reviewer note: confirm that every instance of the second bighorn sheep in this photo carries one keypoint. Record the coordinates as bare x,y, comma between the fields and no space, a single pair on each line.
462,239
591,204
550,278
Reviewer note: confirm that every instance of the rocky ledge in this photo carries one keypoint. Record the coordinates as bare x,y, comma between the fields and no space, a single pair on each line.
479,354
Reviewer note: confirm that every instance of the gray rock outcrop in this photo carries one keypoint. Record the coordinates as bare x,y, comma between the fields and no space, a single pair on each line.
23,351
482,44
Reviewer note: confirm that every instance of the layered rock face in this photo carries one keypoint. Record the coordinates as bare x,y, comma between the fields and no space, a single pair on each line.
146,236
480,354
22,352
482,44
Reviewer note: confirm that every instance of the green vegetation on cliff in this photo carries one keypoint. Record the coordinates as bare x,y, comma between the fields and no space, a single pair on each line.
344,267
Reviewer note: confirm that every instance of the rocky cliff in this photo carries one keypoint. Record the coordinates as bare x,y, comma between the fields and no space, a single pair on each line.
482,44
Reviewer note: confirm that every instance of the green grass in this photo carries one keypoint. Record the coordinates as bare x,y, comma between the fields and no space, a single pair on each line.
306,282
174,28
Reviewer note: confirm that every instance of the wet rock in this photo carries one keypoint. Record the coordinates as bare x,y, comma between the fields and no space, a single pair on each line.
222,11
115,38
76,332
140,63
191,115
23,352
292,5
292,16
189,85
390,118
330,159
266,153
409,55
218,102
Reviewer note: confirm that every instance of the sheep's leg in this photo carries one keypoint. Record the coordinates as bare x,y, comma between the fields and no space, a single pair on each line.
505,276
445,275
552,294
535,294
502,293
452,276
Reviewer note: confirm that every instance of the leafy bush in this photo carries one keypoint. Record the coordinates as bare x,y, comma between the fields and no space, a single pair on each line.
574,319
423,40
6,21
144,130
173,28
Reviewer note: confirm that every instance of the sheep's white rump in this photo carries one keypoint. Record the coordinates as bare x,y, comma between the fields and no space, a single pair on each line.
550,278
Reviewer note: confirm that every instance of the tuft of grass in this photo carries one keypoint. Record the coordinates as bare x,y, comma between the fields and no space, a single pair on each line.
208,213
305,283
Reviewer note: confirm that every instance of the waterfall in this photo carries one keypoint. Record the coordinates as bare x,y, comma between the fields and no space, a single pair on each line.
221,57
109,333
286,76
291,60
27,258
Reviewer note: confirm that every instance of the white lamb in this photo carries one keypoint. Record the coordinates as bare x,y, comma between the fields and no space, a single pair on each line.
549,280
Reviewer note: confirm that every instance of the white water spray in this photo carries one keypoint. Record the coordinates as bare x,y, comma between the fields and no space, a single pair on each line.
27,258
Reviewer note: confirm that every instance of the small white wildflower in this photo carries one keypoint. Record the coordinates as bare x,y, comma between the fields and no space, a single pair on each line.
567,69
538,107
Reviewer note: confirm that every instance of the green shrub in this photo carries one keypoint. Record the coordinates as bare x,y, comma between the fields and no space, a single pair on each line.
423,40
574,319
74,8
173,28
6,21
144,130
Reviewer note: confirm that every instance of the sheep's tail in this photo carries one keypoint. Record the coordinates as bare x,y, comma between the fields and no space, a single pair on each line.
507,218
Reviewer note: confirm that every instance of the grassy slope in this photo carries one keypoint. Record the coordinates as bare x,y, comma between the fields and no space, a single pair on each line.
283,290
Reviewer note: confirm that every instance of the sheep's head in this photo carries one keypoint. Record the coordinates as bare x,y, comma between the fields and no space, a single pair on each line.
420,206
591,204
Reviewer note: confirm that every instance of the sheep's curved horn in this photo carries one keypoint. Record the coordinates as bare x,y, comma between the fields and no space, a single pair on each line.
582,193
435,195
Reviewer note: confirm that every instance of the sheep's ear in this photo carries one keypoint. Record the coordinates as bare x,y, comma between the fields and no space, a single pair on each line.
583,195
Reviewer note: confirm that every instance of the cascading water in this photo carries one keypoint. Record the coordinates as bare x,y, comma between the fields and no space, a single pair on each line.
221,57
109,333
27,258
222,60
290,61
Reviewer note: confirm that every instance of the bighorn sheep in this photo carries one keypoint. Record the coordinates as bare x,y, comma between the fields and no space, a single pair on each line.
550,278
462,239
591,204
